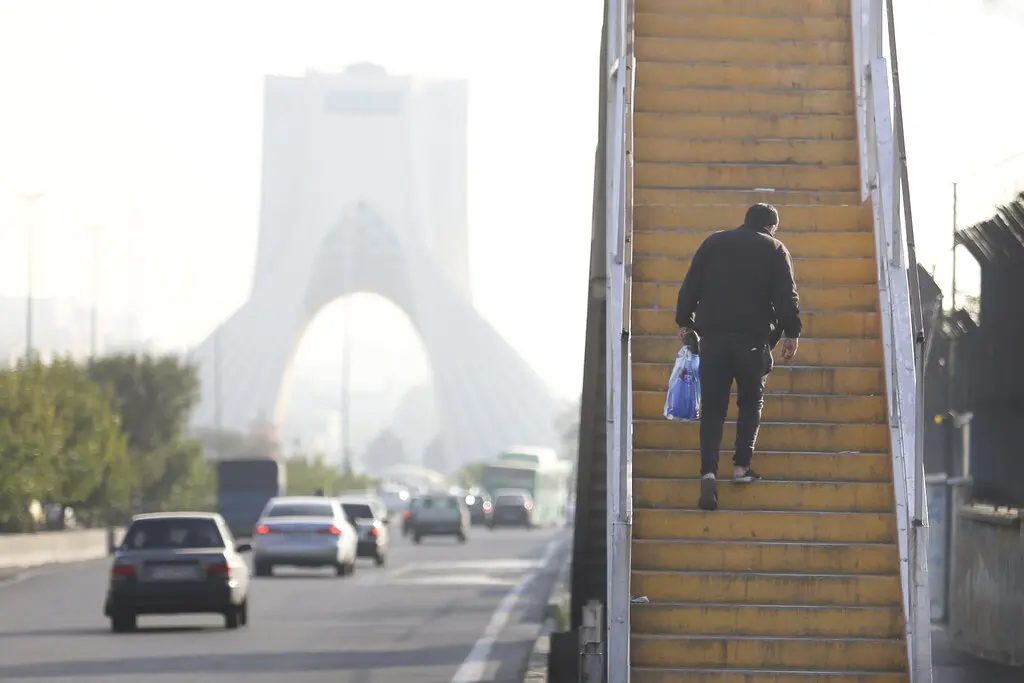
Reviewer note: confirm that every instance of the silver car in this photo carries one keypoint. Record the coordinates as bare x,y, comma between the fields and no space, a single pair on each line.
177,563
304,531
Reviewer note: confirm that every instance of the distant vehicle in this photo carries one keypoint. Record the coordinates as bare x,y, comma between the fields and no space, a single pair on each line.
480,507
396,499
439,514
177,563
370,518
513,508
304,531
538,471
244,486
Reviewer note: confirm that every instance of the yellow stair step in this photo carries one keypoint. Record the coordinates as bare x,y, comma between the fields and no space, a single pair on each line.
735,525
679,25
822,366
720,675
818,271
793,219
779,496
780,465
711,100
782,52
767,589
736,149
765,557
816,324
779,176
782,407
683,242
716,126
802,621
784,379
664,295
786,8
773,436
781,653
703,74
742,196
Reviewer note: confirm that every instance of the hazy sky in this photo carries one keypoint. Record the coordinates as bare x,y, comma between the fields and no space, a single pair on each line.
145,117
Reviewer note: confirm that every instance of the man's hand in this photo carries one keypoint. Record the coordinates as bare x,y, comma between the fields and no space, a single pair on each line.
789,347
683,331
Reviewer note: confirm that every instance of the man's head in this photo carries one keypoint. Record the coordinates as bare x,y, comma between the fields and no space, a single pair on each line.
762,217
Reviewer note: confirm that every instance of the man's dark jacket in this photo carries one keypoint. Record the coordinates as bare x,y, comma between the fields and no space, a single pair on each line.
741,281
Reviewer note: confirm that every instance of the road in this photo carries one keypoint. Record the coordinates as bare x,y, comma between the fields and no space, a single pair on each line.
438,612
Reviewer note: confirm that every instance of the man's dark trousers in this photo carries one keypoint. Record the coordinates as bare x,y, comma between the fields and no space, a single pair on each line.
746,359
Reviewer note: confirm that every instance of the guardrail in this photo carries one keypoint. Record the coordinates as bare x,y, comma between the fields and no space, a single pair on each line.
619,235
24,551
884,179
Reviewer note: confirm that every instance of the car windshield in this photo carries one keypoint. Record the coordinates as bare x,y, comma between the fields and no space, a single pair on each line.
358,510
301,510
173,532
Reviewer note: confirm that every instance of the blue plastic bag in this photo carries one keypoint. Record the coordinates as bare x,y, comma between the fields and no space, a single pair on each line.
683,401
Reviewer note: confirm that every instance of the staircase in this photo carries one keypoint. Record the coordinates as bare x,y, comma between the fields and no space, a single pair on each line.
795,579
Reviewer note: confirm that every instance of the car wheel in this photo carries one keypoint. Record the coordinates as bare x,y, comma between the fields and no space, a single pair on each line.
264,569
379,559
123,623
233,617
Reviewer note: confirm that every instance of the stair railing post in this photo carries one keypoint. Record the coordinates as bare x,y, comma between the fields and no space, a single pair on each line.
592,667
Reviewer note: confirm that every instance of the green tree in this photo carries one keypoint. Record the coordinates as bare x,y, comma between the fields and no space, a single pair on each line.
29,444
470,475
154,396
93,469
60,441
309,474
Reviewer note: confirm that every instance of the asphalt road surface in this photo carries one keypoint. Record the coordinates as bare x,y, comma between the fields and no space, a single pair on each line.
439,612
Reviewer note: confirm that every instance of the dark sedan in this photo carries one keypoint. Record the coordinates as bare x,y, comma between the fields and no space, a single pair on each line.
177,563
480,508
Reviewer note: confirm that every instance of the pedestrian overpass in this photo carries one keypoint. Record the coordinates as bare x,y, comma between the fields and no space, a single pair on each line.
819,573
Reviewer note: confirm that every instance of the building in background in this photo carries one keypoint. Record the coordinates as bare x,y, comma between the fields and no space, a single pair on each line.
364,191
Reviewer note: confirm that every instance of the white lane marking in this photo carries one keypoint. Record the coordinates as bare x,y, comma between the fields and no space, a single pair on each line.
473,668
455,580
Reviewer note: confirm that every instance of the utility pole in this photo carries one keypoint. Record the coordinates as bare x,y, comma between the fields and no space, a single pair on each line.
217,412
952,294
94,312
30,198
346,354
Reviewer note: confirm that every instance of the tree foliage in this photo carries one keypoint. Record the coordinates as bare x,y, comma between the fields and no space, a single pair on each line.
471,475
60,441
309,475
106,438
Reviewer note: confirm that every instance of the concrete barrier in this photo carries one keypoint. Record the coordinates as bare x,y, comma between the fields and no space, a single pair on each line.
22,551
986,593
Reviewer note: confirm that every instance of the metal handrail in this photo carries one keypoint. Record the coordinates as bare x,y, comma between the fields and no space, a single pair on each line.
619,381
886,177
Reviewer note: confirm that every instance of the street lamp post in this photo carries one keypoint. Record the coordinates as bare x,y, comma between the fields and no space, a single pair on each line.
29,198
94,312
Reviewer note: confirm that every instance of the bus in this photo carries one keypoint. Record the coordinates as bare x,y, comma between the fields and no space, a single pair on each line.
244,486
540,472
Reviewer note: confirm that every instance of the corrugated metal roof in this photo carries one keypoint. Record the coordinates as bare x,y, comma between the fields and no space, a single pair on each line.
999,240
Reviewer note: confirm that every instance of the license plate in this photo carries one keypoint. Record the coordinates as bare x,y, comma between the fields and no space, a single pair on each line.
184,573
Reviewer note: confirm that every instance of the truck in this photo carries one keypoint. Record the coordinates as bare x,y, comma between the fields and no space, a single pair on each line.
244,486
538,471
